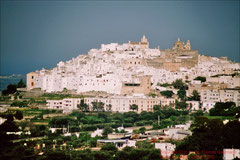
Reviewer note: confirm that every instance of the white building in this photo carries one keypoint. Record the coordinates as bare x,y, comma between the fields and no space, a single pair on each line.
98,132
122,103
177,133
166,149
211,96
67,104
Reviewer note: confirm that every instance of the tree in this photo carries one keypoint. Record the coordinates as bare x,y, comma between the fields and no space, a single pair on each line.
195,96
109,107
11,88
57,155
98,106
134,107
18,115
83,106
104,116
211,135
80,116
109,147
167,93
164,84
156,108
102,155
224,109
178,84
181,94
197,113
202,79
144,145
181,105
21,84
142,130
131,114
107,130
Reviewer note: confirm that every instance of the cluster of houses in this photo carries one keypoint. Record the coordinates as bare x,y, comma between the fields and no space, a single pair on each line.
119,103
131,68
157,137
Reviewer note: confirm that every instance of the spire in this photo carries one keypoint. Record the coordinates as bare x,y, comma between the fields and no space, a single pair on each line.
187,46
178,39
144,39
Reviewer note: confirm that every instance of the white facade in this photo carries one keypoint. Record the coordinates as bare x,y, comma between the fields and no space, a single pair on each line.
211,96
114,103
122,103
166,149
67,104
98,132
177,133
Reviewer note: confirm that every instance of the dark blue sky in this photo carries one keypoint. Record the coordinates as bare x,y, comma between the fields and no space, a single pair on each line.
39,34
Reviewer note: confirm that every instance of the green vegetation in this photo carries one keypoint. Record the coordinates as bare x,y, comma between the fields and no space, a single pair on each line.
83,106
225,109
107,130
202,79
164,84
134,107
211,135
233,75
152,95
21,84
98,106
167,93
195,96
20,103
12,88
181,94
178,84
51,96
79,123
181,105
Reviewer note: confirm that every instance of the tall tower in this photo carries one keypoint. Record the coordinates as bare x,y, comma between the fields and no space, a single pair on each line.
187,46
178,45
179,40
144,39
144,42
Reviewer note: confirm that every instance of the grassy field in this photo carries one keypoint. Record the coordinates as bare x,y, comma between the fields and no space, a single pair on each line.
51,96
220,117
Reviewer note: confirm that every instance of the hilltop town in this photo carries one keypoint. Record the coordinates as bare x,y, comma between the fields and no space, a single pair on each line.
129,73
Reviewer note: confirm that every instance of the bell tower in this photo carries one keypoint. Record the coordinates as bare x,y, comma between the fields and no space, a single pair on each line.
187,46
